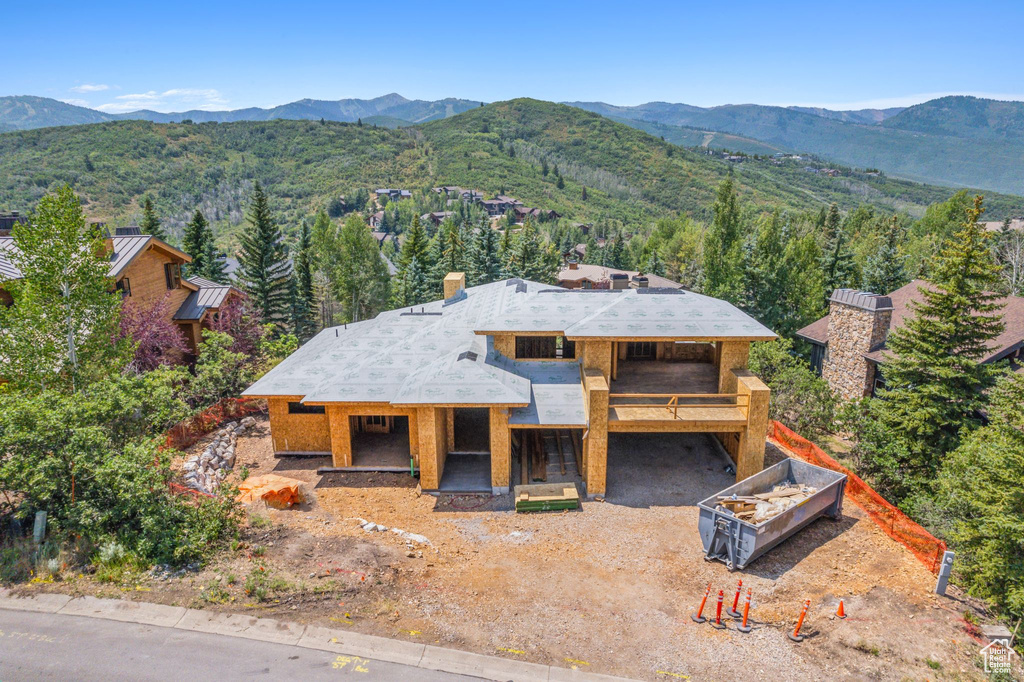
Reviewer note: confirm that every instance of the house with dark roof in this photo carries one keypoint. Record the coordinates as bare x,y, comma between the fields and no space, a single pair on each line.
145,270
388,194
848,346
463,390
574,275
436,217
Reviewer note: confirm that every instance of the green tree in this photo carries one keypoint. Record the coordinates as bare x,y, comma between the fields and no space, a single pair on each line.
979,490
304,302
800,399
484,258
837,263
530,258
150,221
886,270
935,379
416,245
198,243
560,184
362,285
263,268
722,253
58,332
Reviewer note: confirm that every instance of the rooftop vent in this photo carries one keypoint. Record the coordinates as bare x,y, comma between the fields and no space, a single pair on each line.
660,290
468,355
129,231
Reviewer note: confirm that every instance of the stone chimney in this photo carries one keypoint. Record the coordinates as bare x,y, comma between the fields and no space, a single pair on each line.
858,323
454,281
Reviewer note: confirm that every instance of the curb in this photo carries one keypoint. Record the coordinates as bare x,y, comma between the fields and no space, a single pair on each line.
315,637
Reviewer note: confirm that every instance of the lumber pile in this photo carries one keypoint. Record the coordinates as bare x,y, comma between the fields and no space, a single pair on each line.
760,507
546,497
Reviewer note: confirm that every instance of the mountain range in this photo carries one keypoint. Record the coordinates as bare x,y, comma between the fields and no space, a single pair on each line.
956,141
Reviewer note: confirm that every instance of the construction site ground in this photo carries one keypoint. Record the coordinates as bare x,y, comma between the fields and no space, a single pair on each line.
607,589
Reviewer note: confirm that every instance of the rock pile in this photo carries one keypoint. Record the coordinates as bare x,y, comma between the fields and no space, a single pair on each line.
205,472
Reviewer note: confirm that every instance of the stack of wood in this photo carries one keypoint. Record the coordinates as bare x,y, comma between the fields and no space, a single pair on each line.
760,507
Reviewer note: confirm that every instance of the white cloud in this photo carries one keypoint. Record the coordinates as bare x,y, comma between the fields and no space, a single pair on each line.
903,101
76,102
90,87
175,99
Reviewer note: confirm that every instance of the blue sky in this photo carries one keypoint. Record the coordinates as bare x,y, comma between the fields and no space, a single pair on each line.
171,56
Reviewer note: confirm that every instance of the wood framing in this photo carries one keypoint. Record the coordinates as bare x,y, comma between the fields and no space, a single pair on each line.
297,433
501,455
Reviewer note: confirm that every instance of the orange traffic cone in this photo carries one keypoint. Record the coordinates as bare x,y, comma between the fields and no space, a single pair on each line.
795,635
841,612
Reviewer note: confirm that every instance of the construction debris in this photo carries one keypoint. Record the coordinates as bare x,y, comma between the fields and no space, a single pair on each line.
546,497
371,527
760,507
279,492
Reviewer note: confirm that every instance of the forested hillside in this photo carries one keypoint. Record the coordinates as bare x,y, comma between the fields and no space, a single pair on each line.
630,176
946,141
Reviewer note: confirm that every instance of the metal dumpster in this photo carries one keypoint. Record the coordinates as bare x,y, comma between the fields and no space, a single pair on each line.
737,542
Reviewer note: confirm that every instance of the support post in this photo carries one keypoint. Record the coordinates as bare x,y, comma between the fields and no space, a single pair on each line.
750,453
597,432
341,435
501,456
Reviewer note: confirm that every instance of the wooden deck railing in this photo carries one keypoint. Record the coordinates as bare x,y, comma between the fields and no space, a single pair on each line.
672,403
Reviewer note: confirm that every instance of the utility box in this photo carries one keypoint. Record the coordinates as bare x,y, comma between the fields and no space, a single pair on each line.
737,542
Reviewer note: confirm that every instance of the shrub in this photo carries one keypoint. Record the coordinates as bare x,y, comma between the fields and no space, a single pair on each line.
800,399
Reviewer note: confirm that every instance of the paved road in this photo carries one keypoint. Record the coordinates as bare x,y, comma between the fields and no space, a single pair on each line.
46,646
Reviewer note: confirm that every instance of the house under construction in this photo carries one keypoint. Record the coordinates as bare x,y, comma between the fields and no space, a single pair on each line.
460,388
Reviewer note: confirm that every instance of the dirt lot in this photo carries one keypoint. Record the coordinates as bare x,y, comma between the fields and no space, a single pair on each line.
607,589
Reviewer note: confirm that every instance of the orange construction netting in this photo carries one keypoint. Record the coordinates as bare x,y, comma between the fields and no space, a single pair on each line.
186,433
900,527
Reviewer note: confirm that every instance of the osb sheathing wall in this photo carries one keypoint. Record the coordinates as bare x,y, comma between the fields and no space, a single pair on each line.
433,435
501,455
307,433
505,344
731,355
596,446
752,442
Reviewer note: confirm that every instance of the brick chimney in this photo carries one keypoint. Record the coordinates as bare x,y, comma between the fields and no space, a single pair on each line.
454,281
573,265
858,323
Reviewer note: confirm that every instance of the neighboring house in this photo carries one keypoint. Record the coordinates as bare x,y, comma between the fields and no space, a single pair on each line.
500,205
9,220
583,276
376,220
1016,224
848,346
522,213
385,194
584,228
145,270
454,193
458,388
436,217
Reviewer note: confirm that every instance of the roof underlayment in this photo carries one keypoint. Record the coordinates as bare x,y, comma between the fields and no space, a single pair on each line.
434,354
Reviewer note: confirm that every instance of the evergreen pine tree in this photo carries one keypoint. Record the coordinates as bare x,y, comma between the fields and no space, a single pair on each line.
616,252
416,245
886,270
837,264
530,258
150,221
584,194
303,302
198,243
935,379
263,268
544,167
561,183
484,257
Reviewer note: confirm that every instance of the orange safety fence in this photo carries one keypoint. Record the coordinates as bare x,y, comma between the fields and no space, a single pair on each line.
897,525
184,434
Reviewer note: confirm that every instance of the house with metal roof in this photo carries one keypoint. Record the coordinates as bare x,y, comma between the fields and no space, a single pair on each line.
484,374
145,270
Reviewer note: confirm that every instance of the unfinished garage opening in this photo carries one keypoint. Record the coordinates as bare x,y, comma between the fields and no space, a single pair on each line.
380,443
547,456
664,469
467,468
